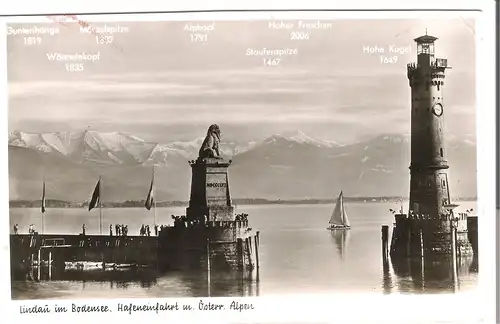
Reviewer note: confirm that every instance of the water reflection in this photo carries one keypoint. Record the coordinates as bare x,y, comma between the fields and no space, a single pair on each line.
427,275
193,283
221,284
474,266
387,283
145,277
341,239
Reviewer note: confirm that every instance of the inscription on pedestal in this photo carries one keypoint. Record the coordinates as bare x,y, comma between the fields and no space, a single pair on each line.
210,196
216,188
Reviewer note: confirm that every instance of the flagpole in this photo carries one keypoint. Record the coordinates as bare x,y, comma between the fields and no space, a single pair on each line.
43,200
100,206
154,198
42,208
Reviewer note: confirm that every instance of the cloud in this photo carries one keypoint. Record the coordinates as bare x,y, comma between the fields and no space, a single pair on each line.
331,87
246,98
237,97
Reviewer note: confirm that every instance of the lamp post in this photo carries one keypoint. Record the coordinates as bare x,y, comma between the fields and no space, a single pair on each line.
453,233
400,205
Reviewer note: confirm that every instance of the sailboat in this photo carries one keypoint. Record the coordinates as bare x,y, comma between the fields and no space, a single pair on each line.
339,220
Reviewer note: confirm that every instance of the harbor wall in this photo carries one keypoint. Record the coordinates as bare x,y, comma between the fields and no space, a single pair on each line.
473,233
82,248
424,235
189,246
181,247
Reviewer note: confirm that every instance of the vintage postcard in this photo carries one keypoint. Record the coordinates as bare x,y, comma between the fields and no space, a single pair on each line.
228,167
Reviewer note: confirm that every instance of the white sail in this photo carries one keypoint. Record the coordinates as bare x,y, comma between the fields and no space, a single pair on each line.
339,216
344,214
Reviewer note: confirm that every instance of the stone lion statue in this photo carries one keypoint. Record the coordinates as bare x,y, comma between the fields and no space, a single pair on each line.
210,146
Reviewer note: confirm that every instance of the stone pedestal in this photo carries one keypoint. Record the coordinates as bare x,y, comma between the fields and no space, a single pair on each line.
210,194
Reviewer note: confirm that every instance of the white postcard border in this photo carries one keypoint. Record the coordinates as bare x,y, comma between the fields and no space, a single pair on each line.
330,308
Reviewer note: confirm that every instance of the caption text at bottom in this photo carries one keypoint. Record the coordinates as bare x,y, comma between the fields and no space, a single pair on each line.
137,307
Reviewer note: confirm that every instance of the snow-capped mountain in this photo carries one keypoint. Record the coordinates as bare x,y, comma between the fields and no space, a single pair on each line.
287,166
297,137
89,146
114,148
65,143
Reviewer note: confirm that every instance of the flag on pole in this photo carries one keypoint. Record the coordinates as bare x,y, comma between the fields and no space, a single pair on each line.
150,199
43,198
96,196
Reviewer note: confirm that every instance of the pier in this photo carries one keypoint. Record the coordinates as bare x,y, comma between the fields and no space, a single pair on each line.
175,248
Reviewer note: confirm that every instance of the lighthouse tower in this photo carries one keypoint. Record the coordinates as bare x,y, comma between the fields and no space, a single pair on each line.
427,228
429,190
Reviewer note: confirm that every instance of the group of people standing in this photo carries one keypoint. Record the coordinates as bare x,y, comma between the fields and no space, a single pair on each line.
31,229
183,221
120,230
179,220
241,217
146,231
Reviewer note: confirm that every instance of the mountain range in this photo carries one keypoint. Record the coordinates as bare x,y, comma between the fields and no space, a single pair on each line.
283,166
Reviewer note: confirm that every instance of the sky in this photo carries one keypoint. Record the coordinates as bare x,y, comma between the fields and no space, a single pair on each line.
155,83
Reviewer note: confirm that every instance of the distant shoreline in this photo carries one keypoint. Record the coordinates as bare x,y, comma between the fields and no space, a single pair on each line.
238,201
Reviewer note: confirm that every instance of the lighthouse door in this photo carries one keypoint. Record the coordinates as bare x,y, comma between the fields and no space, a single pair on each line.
444,188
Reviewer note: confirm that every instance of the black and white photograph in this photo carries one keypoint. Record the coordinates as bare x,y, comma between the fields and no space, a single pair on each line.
213,156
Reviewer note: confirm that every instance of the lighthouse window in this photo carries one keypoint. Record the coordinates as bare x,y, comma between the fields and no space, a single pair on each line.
441,152
438,86
444,183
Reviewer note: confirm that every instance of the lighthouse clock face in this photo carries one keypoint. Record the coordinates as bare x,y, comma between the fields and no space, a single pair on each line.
437,109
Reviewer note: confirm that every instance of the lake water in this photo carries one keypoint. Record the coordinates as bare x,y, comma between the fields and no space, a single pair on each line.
297,255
